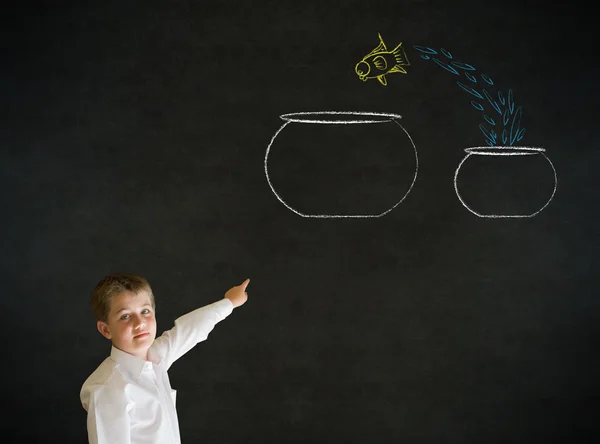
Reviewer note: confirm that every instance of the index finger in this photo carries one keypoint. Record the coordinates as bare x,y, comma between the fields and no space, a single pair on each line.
245,284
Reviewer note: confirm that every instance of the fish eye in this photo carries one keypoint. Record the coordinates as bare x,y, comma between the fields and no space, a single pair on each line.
362,68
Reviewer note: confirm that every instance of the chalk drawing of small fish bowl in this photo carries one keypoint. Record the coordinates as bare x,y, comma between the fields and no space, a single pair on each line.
505,181
334,164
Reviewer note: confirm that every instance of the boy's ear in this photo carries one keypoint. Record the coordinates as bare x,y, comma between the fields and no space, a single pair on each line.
103,329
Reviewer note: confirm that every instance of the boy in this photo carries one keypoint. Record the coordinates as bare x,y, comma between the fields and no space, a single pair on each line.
128,398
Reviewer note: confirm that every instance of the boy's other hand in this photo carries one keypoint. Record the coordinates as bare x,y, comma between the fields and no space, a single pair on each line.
237,295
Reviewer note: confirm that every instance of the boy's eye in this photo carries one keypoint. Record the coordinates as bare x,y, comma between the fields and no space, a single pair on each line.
125,316
145,311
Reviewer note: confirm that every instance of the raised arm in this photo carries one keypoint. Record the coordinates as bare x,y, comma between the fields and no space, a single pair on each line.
195,326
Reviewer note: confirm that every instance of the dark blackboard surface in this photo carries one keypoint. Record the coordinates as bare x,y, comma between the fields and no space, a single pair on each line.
134,138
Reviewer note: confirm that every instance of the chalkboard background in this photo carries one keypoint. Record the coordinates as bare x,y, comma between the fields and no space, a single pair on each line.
133,138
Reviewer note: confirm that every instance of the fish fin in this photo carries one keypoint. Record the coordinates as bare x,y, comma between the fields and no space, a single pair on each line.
397,68
380,63
379,49
382,80
400,56
381,42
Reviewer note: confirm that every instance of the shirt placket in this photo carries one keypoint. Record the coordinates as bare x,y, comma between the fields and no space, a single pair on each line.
165,398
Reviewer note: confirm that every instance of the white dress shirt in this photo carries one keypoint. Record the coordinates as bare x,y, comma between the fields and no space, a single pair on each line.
129,400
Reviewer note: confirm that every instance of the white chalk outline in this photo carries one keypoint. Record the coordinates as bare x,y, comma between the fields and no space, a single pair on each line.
298,117
302,117
504,151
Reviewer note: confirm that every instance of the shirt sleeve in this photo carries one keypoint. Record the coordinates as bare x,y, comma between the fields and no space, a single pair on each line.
190,329
108,419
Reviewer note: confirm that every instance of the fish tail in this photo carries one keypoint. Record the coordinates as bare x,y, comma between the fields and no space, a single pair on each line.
400,56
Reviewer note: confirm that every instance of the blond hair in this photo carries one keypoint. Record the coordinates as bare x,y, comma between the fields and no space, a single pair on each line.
113,285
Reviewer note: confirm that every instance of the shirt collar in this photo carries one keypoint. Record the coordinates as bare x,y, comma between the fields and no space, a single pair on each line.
131,364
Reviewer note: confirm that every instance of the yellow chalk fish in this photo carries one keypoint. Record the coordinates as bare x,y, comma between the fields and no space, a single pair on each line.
380,62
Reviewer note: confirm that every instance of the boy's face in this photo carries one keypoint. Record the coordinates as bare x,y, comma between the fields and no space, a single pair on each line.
131,325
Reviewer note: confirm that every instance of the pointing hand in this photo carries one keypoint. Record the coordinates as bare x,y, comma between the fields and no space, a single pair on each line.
237,295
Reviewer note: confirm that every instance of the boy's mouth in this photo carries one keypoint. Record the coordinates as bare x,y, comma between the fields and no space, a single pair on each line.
141,335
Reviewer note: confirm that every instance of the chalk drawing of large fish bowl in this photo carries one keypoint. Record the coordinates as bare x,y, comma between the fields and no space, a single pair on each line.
335,164
505,181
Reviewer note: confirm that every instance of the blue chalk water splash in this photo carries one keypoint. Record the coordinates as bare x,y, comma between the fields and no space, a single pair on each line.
502,123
